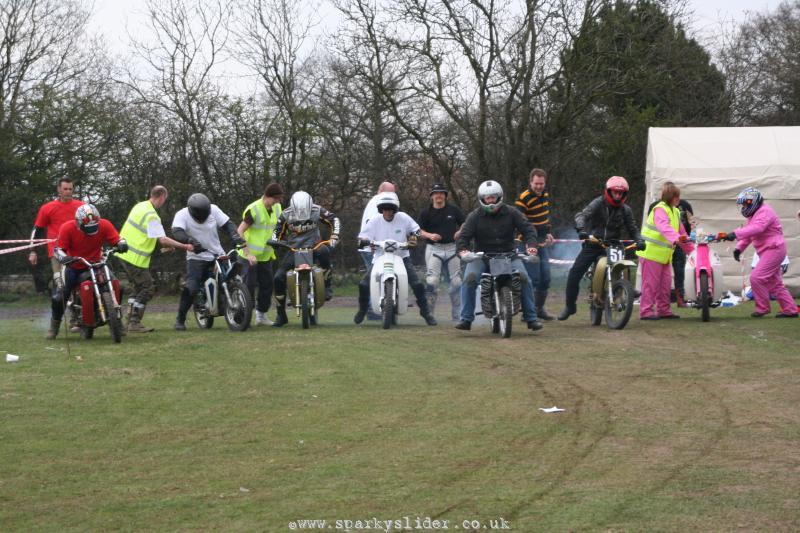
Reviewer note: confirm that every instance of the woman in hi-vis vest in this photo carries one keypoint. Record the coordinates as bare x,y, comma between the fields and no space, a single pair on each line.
662,232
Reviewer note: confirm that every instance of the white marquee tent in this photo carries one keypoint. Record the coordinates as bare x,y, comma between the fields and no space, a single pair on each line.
712,165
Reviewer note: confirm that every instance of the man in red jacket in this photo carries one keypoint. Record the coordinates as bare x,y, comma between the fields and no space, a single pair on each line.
52,215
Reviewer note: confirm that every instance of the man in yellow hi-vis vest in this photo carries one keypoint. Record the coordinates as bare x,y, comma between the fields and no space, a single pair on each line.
143,230
258,222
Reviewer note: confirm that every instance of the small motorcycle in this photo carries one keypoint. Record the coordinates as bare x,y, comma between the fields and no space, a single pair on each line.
96,299
704,283
224,293
305,283
610,288
388,282
500,288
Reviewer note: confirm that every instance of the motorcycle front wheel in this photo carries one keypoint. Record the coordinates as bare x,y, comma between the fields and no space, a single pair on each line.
505,311
114,320
239,309
305,307
705,298
620,306
388,304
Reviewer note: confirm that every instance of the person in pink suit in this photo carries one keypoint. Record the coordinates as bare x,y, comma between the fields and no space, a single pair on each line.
662,232
763,230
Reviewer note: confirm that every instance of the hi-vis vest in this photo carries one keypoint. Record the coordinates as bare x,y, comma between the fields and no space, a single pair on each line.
260,230
658,248
140,246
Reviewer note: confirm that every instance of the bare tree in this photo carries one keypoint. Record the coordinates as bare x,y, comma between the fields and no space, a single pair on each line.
188,38
273,38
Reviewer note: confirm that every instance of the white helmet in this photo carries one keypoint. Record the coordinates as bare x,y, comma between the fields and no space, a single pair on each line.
388,200
490,188
302,204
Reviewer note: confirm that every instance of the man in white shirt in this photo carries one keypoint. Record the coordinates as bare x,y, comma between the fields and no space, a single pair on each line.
198,224
396,225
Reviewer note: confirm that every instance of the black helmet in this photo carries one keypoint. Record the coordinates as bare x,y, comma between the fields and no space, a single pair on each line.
438,187
199,207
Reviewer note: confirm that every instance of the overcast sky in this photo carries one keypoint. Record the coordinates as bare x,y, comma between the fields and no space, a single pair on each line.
110,16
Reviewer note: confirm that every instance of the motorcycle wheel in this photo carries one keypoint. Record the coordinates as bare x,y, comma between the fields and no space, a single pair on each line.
388,303
305,308
201,316
505,311
114,320
87,332
705,298
239,309
620,307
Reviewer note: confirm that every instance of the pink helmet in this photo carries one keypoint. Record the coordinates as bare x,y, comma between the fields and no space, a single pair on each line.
616,183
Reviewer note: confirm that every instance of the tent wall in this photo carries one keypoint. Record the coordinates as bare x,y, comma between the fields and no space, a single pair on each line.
712,165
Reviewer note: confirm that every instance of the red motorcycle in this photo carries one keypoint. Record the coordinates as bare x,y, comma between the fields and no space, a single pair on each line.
96,299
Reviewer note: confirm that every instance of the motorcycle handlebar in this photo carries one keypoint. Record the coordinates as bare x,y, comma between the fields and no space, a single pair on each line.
284,244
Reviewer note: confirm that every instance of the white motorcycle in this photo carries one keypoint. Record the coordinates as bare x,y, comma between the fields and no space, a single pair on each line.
388,282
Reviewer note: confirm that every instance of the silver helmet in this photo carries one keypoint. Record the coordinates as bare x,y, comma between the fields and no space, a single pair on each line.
490,188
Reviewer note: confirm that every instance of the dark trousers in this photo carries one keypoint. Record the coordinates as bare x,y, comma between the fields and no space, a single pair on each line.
678,265
72,278
142,280
259,274
322,257
583,261
417,287
196,273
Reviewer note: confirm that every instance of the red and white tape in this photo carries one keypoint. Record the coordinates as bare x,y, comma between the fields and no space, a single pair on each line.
36,242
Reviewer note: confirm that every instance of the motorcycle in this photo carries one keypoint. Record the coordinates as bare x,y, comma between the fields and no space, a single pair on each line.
704,283
388,282
224,293
500,288
96,299
305,283
610,289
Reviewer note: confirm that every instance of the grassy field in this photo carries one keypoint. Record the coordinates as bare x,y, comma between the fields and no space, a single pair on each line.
674,425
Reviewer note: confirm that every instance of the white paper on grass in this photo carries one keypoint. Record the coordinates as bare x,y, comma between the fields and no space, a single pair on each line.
553,409
11,358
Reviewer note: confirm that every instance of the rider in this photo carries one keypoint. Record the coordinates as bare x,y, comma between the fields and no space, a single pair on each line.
51,216
536,204
258,222
142,230
393,224
493,226
763,229
82,237
604,218
663,233
299,226
198,224
442,220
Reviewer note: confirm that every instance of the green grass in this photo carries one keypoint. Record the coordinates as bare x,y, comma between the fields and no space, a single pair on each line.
674,425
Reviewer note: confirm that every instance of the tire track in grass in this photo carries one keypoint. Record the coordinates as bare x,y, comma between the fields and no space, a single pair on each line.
704,449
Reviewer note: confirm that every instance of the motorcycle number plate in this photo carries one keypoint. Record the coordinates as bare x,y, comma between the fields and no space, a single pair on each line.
616,255
499,266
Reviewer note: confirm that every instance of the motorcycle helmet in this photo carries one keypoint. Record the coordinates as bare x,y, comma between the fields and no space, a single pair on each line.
490,188
301,203
750,199
199,207
388,200
616,183
88,219
438,187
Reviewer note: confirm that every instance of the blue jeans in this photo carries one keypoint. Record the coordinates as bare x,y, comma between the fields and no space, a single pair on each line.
539,273
472,276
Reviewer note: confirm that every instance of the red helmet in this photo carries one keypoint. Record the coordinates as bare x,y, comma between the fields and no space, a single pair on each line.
616,183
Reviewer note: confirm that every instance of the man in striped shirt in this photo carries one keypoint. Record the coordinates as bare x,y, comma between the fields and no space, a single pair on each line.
534,202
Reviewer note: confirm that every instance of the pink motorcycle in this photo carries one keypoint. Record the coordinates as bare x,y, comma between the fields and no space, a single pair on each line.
704,283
